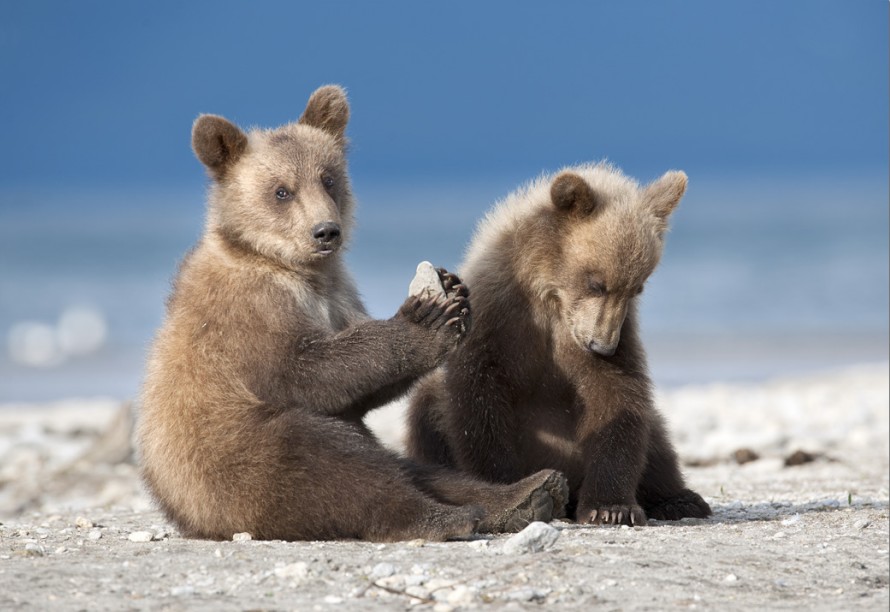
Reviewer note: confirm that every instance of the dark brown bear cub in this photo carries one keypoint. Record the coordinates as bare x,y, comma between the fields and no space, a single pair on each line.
267,362
542,380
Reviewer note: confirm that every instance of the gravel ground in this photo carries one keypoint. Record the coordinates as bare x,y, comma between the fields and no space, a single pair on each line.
82,536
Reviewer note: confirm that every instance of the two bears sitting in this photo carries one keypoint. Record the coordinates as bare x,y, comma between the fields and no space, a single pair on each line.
267,361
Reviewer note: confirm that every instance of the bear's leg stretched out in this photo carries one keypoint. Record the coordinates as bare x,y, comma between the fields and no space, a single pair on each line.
662,492
508,507
333,482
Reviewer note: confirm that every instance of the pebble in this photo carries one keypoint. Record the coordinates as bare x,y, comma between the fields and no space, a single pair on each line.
461,596
417,591
527,594
333,599
34,550
382,570
83,523
536,537
791,520
141,536
731,578
861,524
242,537
418,543
94,535
296,571
426,282
181,591
478,544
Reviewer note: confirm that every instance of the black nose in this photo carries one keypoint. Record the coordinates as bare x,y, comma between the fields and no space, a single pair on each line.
326,232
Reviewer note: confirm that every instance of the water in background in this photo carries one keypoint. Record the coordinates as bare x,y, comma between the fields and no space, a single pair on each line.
760,278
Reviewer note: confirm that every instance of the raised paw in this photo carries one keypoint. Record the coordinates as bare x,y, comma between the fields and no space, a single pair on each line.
621,514
451,283
688,504
446,317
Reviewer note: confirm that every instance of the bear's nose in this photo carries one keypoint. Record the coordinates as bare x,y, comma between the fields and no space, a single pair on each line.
326,232
605,351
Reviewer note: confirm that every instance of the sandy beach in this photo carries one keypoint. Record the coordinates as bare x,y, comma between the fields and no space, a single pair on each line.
796,470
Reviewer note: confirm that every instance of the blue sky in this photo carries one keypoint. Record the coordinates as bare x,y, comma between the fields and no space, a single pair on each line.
104,93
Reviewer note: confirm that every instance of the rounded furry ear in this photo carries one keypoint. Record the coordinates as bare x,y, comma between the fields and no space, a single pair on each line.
663,195
217,143
328,110
570,192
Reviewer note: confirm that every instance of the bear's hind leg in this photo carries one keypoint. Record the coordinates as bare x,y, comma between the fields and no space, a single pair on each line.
662,492
508,507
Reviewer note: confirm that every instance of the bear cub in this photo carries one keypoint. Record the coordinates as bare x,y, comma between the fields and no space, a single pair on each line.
552,373
266,363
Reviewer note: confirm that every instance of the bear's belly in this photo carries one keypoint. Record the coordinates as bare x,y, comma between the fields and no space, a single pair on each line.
548,438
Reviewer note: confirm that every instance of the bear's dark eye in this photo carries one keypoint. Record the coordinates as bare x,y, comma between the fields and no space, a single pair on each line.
282,194
596,288
327,180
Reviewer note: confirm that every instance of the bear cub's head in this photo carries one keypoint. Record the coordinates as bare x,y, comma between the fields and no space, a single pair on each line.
282,193
612,234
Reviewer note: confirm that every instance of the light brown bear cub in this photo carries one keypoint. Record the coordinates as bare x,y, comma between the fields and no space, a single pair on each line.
553,374
258,380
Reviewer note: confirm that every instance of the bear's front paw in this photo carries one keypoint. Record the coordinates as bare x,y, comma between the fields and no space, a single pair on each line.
606,514
447,317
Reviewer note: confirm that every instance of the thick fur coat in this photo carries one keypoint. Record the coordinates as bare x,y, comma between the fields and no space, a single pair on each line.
266,363
553,373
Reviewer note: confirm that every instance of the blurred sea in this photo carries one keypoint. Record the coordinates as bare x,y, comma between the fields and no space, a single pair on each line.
760,277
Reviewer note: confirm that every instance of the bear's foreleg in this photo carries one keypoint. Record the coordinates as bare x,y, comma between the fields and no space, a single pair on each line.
662,492
614,452
373,362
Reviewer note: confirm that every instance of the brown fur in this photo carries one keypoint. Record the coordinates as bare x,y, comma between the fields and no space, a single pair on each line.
258,380
541,380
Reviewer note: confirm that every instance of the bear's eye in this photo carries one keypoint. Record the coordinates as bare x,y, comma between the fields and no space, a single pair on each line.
596,288
327,180
282,194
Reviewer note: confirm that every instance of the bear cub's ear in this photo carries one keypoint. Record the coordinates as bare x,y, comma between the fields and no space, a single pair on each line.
328,110
217,143
570,192
664,194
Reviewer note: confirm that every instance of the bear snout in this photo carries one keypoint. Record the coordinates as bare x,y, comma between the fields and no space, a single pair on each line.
327,236
602,349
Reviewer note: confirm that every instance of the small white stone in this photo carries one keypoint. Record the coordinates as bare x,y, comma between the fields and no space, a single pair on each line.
731,578
217,553
527,594
383,570
461,596
536,537
426,282
94,534
417,591
182,591
791,520
141,536
294,571
478,544
333,599
242,537
861,524
60,550
34,550
83,523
